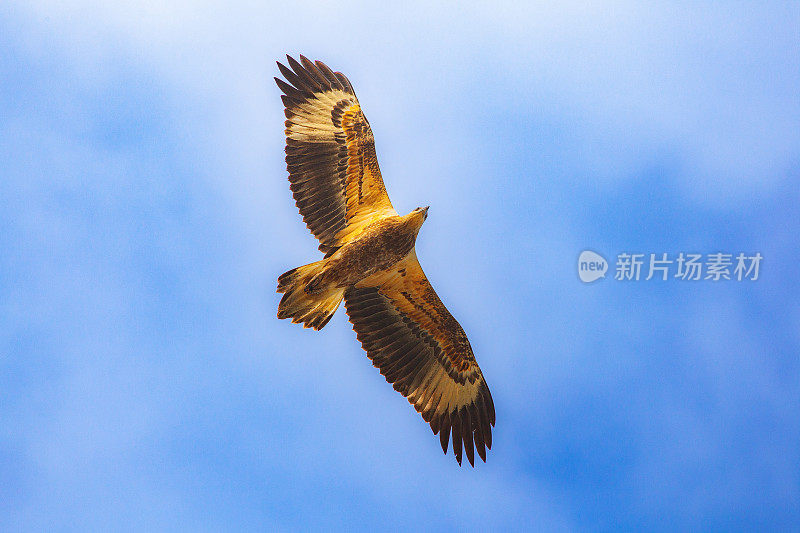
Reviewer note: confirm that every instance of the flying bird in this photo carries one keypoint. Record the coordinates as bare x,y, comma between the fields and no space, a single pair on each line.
370,262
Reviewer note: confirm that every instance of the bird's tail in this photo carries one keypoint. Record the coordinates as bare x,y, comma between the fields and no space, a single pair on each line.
305,297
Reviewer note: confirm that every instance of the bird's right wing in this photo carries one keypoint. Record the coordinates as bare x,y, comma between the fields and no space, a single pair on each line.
424,353
330,154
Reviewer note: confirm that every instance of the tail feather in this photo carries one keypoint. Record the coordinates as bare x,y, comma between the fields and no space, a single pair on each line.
312,305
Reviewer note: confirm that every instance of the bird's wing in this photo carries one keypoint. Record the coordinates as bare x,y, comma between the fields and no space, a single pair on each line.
330,154
419,347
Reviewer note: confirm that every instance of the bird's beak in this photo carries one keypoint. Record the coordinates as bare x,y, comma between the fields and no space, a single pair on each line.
425,211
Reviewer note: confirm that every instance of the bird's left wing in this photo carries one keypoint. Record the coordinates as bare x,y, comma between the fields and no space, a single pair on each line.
419,347
330,154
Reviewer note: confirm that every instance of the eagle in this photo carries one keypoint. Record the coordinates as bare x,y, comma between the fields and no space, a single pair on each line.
371,263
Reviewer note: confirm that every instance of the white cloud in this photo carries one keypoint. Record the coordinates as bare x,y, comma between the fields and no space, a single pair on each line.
716,86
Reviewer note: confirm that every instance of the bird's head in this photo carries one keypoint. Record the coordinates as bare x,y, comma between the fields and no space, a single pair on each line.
418,216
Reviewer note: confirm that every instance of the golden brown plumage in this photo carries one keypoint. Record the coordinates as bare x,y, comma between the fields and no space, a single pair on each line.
330,151
371,263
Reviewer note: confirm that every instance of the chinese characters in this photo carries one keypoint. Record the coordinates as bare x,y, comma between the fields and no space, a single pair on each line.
687,267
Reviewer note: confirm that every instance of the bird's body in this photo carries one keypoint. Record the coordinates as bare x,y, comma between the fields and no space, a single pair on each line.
380,246
371,263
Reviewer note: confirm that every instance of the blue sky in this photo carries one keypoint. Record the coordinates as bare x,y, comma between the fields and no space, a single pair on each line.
147,385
